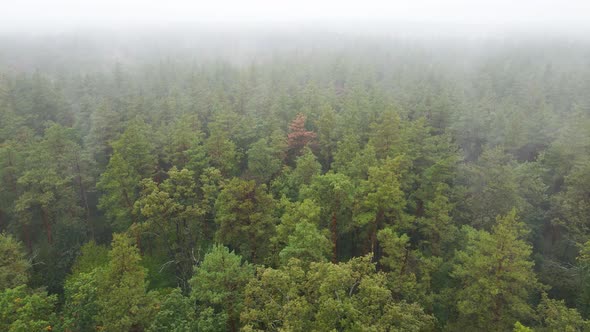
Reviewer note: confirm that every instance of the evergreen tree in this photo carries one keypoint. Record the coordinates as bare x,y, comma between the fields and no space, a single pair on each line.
386,134
326,128
222,152
555,315
81,308
22,309
182,138
172,211
244,213
175,314
123,304
48,183
492,188
583,282
349,296
306,211
497,276
298,136
307,244
264,161
14,266
132,160
291,181
334,194
217,286
381,201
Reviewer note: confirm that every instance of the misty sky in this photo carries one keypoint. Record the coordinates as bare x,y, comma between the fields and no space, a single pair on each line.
45,15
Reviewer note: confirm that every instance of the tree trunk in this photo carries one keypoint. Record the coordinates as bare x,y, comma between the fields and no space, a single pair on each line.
334,229
128,204
230,317
254,249
497,311
10,176
27,229
420,209
45,218
374,230
138,241
405,263
84,197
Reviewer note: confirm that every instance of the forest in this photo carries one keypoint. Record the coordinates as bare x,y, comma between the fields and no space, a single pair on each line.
321,184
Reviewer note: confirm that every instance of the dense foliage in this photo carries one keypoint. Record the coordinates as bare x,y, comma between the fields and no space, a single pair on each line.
377,187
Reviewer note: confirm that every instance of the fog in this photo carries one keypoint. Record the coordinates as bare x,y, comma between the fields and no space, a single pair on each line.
88,34
424,16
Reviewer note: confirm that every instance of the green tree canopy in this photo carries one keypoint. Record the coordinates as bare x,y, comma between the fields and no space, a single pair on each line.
217,286
497,276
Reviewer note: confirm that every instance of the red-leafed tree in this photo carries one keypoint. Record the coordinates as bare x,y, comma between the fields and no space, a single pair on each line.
298,136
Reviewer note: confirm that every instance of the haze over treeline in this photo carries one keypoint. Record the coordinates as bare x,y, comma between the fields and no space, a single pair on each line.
323,173
440,46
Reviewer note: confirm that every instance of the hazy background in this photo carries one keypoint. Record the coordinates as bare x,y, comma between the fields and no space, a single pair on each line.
484,16
75,34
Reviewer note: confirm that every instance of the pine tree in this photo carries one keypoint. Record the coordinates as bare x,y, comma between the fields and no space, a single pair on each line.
492,188
50,182
306,211
386,134
22,309
264,161
105,125
334,193
436,227
298,136
244,213
119,184
496,275
583,282
326,128
218,285
176,314
222,152
306,168
132,161
14,266
556,316
349,296
182,137
122,299
81,309
381,201
172,212
307,244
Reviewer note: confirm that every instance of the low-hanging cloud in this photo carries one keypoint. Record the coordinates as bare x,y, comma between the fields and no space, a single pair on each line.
42,16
